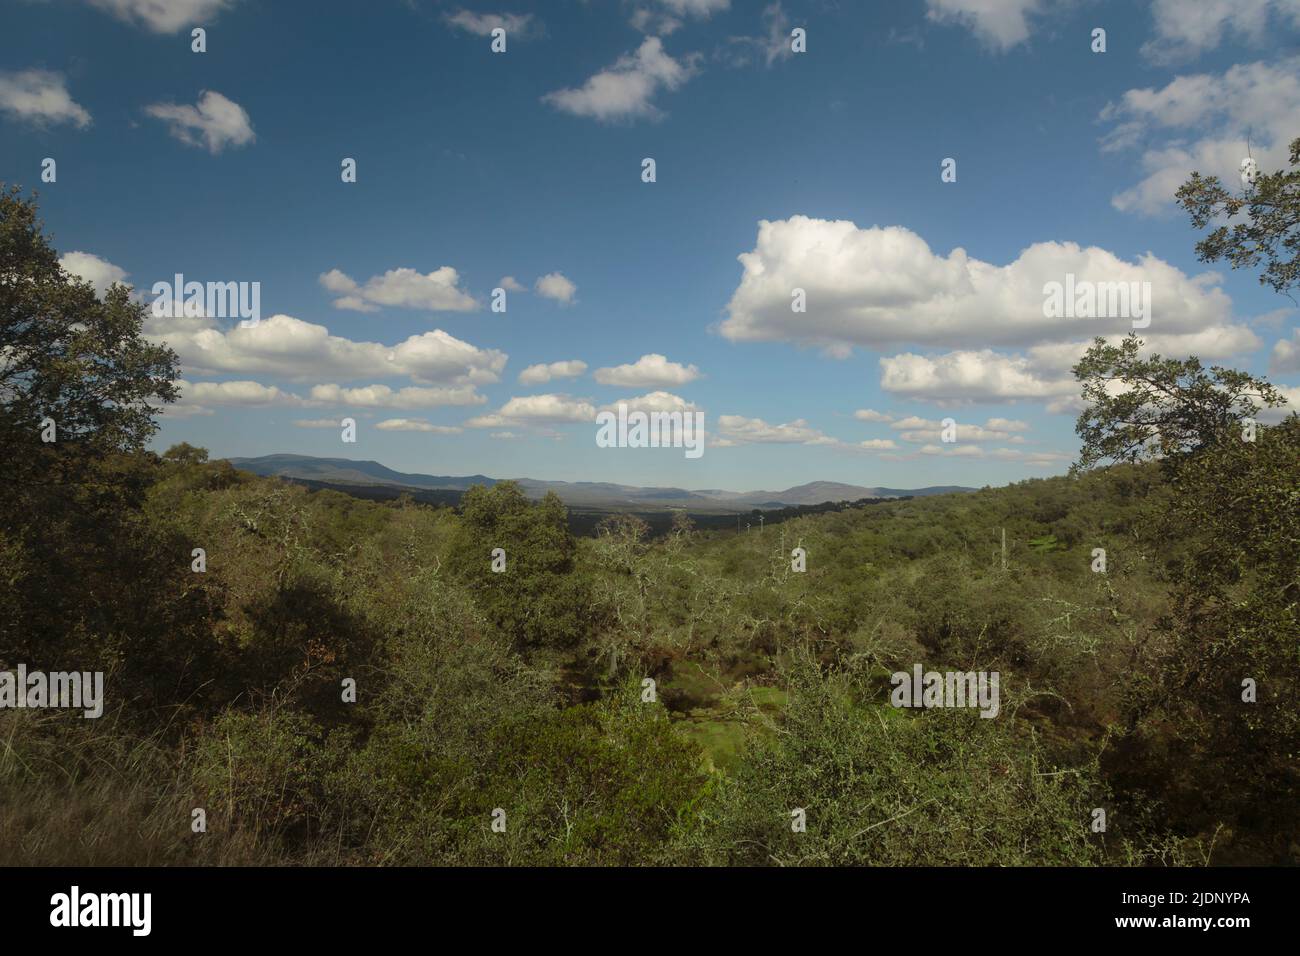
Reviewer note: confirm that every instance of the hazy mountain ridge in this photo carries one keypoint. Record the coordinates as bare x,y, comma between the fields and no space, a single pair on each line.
346,471
352,472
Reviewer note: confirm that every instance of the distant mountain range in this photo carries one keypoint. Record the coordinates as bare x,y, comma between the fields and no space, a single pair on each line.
343,472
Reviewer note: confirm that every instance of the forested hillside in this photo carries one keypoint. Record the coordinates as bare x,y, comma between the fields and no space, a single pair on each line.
523,690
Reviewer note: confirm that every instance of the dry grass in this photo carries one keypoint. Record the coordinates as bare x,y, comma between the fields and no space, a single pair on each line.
86,794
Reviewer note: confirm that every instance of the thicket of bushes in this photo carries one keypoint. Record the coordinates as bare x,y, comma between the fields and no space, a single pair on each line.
225,689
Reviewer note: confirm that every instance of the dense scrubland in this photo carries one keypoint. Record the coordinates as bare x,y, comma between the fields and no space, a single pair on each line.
524,690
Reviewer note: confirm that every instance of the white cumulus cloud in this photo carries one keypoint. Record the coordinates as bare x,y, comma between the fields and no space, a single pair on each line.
542,373
316,423
1042,372
982,375
923,430
1204,122
100,273
234,393
626,90
537,410
383,396
40,97
164,16
555,286
653,402
877,287
1188,28
999,24
416,425
647,371
292,349
215,122
437,291
519,26
1286,354
739,430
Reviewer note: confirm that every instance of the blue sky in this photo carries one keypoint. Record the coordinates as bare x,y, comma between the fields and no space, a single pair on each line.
924,297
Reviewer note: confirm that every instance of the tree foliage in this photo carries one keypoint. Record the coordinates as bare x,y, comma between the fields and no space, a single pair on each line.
1140,407
1217,688
1270,232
